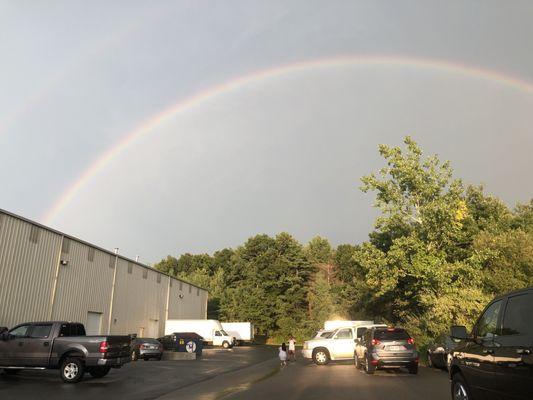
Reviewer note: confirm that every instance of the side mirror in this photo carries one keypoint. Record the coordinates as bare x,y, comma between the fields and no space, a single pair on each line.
459,332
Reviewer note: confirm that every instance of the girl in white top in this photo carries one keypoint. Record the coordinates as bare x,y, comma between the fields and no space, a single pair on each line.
283,354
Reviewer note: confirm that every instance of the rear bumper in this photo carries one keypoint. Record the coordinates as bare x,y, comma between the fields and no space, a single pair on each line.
111,362
394,362
150,353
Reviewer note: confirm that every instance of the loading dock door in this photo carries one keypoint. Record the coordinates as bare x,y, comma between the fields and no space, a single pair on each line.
94,323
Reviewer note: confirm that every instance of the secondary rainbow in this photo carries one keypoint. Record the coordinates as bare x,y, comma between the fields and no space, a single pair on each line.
184,105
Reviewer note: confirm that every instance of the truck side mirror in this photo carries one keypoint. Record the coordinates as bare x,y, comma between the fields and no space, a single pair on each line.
459,332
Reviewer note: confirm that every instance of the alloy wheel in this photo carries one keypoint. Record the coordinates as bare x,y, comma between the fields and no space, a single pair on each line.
71,371
459,392
321,357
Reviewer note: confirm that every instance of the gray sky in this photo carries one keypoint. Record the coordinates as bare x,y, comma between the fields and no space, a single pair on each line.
283,153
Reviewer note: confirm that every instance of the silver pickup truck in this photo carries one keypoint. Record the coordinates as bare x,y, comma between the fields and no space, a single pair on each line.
64,346
337,345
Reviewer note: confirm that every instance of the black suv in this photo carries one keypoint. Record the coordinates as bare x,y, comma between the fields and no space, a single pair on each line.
386,348
495,361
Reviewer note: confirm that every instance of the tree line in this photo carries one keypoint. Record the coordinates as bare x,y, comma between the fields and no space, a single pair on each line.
439,250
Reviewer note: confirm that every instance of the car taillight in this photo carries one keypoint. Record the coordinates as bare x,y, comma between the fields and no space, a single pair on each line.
104,346
375,342
411,341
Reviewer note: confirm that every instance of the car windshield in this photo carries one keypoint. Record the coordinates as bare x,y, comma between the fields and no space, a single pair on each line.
151,341
223,332
326,335
391,334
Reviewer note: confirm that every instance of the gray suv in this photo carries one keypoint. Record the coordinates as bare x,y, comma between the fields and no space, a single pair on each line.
386,348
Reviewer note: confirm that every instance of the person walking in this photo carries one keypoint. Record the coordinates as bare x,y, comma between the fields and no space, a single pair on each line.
292,348
283,354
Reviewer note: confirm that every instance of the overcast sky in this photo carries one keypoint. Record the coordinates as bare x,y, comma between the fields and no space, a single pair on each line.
281,153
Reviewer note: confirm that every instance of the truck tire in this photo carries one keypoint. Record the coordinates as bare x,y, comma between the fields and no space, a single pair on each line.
72,369
225,344
460,389
99,372
320,356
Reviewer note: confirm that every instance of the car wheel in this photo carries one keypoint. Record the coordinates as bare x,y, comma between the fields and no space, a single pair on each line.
225,345
460,390
134,356
72,369
320,357
99,372
430,361
413,370
369,368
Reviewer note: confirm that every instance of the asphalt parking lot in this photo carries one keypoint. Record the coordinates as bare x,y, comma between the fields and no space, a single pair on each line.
137,380
303,380
241,373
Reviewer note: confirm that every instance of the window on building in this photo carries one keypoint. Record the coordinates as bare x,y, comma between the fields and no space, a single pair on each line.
34,234
518,315
90,254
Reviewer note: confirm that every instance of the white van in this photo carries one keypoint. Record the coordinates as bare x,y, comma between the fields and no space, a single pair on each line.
241,331
210,329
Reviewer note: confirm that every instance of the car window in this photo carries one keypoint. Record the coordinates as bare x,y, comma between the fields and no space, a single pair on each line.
361,331
344,334
488,322
217,333
391,334
326,335
40,331
20,331
518,316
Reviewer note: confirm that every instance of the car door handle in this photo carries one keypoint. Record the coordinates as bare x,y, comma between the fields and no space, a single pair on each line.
523,351
488,351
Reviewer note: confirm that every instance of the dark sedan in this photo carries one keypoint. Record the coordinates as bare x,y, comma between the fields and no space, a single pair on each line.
439,352
146,348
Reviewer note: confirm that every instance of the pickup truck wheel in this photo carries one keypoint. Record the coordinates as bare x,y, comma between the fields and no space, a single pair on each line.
72,369
320,356
460,390
225,345
99,372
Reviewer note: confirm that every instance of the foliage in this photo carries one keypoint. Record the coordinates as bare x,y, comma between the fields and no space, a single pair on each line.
439,251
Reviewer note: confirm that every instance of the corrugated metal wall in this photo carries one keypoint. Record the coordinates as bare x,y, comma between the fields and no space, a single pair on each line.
30,257
27,269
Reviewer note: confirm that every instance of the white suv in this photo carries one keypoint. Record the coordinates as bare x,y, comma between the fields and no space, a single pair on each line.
339,345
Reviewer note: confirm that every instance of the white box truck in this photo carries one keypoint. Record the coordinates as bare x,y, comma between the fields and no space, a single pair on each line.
210,329
241,331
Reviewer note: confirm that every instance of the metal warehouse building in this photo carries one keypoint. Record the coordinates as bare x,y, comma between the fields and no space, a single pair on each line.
48,275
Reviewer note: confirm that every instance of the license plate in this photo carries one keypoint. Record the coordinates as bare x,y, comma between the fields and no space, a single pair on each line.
396,348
